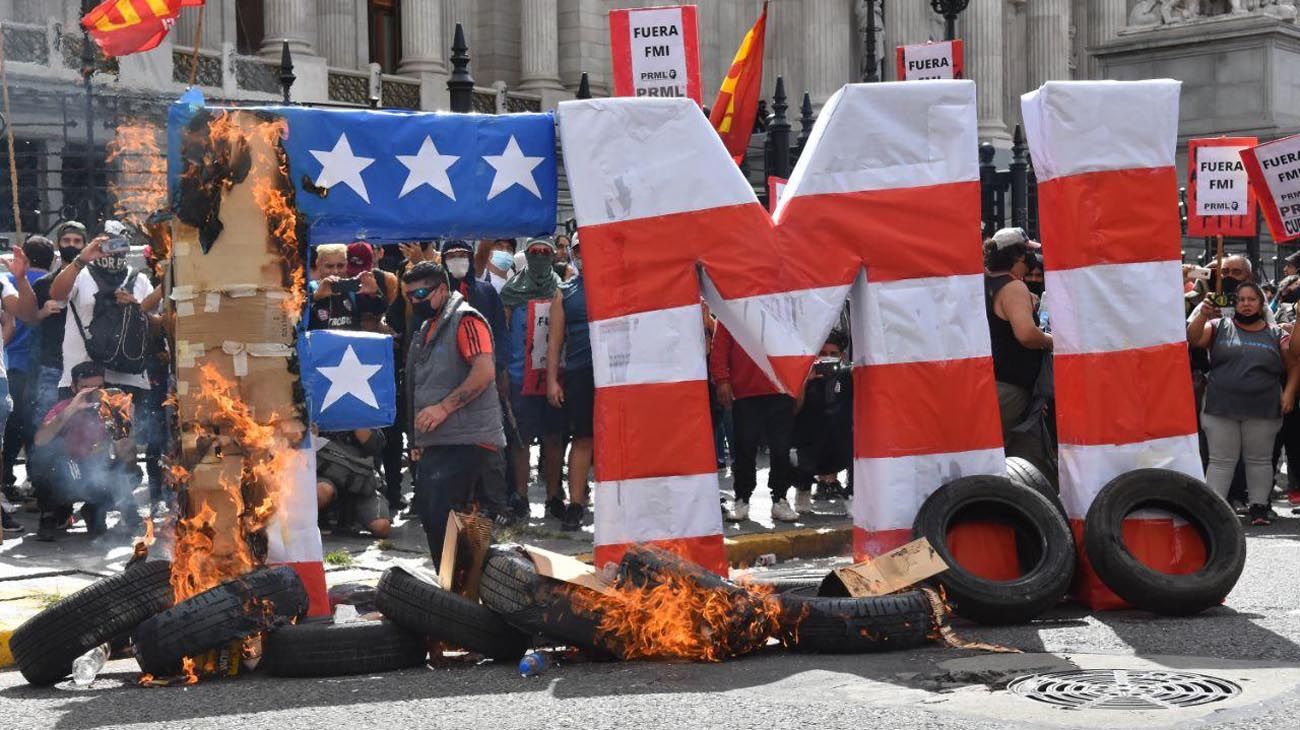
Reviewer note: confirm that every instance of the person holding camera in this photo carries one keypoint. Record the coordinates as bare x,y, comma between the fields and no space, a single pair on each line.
340,301
349,491
822,439
1245,399
88,455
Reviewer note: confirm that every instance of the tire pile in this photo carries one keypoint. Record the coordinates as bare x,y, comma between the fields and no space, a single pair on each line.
1026,503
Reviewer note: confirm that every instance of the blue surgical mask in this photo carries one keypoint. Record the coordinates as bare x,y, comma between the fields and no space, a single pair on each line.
503,260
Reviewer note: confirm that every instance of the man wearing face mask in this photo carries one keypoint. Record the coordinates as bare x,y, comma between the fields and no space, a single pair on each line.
527,298
456,433
70,238
496,261
92,271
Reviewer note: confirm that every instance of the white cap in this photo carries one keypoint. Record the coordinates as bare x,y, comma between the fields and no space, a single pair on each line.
1008,237
114,228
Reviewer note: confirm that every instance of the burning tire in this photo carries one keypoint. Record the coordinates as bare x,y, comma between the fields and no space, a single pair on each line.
1044,548
856,625
1189,499
427,610
45,646
535,604
262,600
332,650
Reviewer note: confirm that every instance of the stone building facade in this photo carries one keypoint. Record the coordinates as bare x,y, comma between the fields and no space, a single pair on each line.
1237,58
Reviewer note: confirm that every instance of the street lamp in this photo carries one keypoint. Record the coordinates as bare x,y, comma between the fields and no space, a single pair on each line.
870,66
949,9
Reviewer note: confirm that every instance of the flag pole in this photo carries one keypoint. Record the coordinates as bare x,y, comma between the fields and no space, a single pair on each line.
198,34
9,139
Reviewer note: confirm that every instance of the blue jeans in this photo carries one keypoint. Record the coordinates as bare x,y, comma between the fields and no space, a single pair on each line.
45,395
6,407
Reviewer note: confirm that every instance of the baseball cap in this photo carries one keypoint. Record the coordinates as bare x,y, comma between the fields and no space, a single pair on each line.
1008,237
360,258
546,241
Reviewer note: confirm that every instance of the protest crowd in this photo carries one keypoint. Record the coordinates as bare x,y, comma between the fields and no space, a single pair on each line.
494,358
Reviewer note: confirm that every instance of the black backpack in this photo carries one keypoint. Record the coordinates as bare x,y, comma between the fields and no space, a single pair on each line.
118,336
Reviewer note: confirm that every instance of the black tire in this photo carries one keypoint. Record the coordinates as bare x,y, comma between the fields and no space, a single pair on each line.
333,650
787,586
260,601
1044,546
856,625
1026,473
426,609
537,605
1151,590
45,646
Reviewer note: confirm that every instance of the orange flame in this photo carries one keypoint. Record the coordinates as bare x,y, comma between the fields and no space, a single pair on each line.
140,186
187,668
675,618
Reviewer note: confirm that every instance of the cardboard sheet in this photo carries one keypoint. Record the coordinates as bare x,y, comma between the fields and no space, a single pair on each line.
893,571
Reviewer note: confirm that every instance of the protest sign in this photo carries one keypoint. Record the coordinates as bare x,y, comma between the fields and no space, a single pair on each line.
656,52
930,61
1220,200
1274,169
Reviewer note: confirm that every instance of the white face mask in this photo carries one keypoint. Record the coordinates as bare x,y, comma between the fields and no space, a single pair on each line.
458,267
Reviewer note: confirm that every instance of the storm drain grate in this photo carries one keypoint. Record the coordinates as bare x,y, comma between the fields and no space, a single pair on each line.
1124,689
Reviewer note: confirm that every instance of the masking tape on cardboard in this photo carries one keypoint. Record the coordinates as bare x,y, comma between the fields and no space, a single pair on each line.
182,387
240,361
184,309
212,302
240,291
182,293
182,248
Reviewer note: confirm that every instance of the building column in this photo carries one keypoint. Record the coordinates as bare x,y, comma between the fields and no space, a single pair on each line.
829,28
1106,18
288,20
1048,33
983,30
539,51
422,38
188,21
458,11
338,32
907,23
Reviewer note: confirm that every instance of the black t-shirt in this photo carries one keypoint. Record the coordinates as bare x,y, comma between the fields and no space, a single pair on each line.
50,331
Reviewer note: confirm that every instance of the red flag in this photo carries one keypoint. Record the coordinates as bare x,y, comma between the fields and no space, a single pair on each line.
737,103
122,27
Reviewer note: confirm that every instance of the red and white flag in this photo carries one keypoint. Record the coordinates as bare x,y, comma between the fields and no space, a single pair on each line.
123,27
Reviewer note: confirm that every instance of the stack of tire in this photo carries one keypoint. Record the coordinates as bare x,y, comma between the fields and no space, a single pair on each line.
137,604
1027,503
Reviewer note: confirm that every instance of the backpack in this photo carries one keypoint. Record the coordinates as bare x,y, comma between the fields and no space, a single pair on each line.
118,336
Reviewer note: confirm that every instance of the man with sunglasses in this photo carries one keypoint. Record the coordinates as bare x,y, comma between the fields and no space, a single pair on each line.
457,435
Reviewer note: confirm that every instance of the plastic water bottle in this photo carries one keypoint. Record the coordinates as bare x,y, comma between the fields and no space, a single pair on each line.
533,664
345,613
86,666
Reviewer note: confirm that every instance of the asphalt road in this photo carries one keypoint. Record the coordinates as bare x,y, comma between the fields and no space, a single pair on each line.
1251,641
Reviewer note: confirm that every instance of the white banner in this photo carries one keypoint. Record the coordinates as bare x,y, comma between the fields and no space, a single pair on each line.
655,52
1221,182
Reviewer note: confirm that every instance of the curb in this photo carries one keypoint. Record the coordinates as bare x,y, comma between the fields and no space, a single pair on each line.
805,542
12,615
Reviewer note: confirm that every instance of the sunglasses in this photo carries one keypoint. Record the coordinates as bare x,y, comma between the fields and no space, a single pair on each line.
423,292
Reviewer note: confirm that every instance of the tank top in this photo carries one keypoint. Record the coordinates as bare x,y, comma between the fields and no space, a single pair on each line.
577,340
1013,363
1246,369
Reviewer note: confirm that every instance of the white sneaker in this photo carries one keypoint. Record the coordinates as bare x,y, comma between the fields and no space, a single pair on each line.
781,512
803,503
739,511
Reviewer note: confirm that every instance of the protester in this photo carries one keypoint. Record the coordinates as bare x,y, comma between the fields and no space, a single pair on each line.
348,488
495,261
154,412
570,338
1017,342
822,437
340,301
88,455
22,351
1288,289
527,298
1244,396
759,413
563,265
456,431
371,306
91,273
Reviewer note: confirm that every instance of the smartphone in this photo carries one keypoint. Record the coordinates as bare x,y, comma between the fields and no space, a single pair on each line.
116,245
346,286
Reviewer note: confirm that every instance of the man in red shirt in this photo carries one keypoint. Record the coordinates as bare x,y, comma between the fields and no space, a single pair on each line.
84,459
457,434
760,412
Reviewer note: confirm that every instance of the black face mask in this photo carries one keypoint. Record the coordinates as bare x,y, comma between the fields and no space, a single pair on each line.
424,310
1240,318
68,253
1035,287
1230,284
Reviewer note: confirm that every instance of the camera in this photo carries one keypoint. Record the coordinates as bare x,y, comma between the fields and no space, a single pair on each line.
116,245
828,366
346,286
